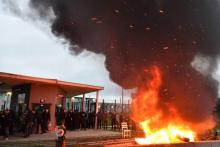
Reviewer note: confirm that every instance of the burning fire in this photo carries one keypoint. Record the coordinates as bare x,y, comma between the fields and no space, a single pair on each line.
158,126
173,133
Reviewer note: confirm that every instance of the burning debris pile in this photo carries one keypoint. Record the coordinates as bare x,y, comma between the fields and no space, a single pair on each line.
162,122
153,45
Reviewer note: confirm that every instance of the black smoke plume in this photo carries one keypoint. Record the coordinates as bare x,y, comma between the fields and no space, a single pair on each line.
135,34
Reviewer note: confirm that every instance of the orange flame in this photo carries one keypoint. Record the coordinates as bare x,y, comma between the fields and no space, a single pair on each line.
157,126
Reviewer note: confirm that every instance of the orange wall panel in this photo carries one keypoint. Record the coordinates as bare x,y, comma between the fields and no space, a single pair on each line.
47,92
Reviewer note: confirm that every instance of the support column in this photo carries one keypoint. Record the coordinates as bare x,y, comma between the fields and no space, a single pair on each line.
83,103
96,109
122,100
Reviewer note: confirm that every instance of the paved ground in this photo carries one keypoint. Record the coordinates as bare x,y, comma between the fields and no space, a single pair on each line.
107,143
90,138
73,138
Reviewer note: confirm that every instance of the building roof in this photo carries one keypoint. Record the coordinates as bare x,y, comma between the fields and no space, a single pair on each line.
72,89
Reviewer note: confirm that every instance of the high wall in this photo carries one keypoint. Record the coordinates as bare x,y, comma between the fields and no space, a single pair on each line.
47,92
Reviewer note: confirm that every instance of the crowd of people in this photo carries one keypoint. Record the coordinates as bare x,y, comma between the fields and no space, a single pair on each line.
25,123
82,120
74,119
38,120
112,119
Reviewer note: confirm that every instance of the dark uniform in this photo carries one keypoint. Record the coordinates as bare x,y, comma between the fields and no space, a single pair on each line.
91,120
99,120
76,119
83,119
113,117
71,119
11,125
105,120
1,123
40,122
60,115
29,118
6,123
68,121
34,126
46,119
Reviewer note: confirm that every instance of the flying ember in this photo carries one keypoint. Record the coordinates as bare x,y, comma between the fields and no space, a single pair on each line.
158,128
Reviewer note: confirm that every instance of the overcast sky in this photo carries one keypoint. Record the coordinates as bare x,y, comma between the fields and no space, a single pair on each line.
28,47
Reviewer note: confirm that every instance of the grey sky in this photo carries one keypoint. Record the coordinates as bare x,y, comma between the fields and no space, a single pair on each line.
27,47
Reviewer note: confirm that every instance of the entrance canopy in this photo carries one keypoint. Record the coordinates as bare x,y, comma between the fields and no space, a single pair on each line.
71,89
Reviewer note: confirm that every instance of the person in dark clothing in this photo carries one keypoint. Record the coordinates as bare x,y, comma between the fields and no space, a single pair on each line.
77,119
121,117
73,120
29,117
89,120
92,117
22,122
105,120
73,115
40,122
57,115
11,125
113,119
60,115
1,123
70,119
34,126
6,123
83,119
99,120
63,116
46,119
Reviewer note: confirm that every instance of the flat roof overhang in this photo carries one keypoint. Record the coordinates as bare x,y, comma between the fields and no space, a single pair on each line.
71,89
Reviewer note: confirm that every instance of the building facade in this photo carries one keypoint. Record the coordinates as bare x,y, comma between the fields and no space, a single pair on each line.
19,92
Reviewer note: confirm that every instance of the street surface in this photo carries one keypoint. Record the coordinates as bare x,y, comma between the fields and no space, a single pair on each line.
76,138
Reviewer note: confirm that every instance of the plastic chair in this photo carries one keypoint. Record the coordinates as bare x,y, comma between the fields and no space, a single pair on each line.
125,131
